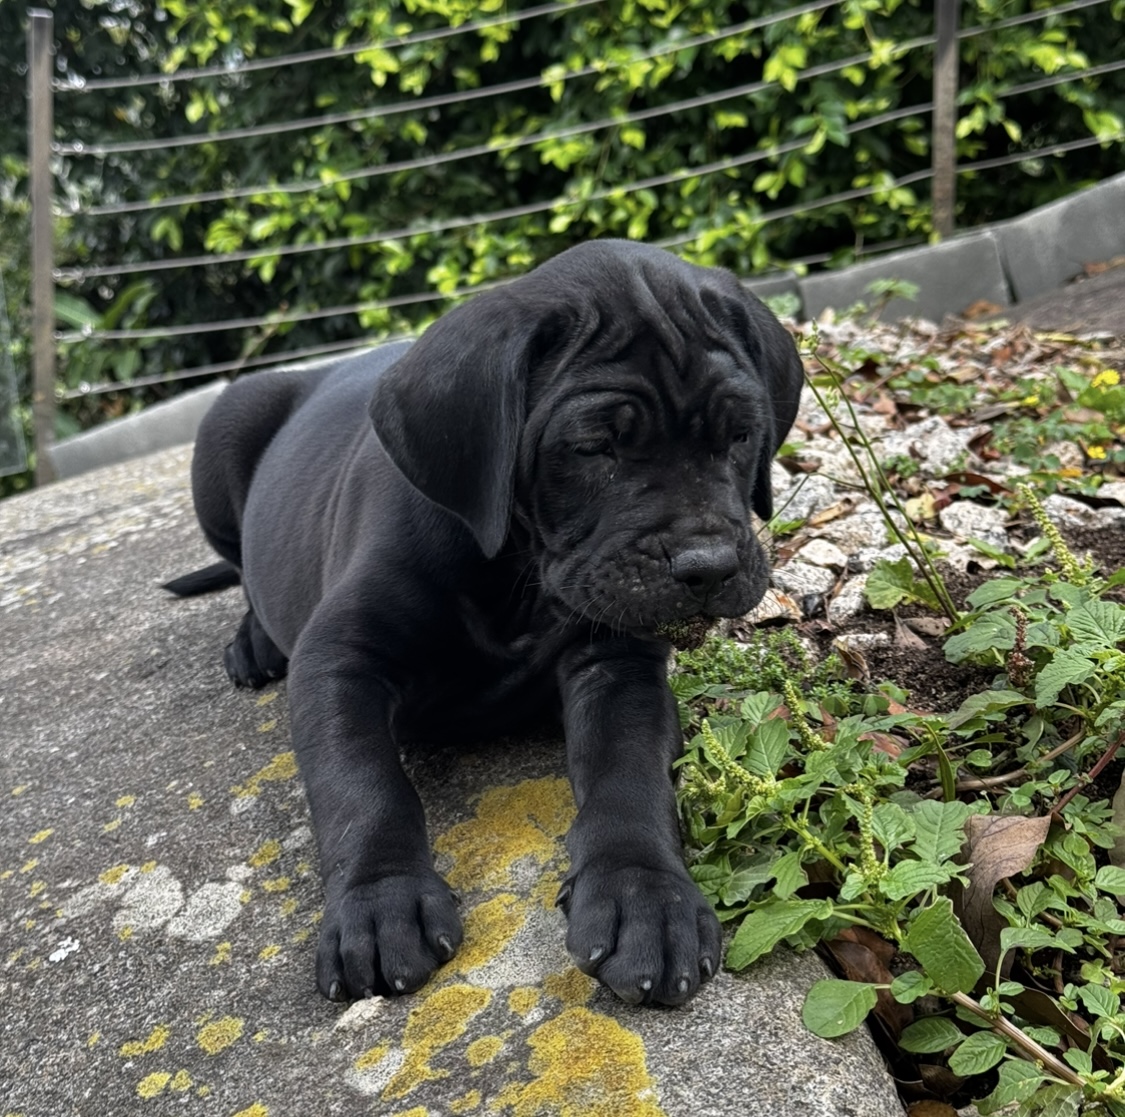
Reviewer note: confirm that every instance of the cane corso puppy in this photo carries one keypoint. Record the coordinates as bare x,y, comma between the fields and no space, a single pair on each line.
466,531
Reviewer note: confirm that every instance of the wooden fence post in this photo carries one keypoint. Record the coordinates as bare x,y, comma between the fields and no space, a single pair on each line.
944,139
40,40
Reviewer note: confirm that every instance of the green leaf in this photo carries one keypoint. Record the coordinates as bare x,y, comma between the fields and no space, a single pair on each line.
890,583
789,876
1018,1080
1065,669
767,748
1100,623
1099,1000
1111,878
986,702
998,589
766,926
988,633
938,941
1031,938
908,878
891,825
834,1008
908,987
980,1052
939,829
930,1034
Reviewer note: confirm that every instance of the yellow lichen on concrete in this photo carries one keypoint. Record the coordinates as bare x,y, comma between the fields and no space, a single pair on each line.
432,1025
288,907
194,801
483,1050
572,987
524,820
466,1103
268,726
153,1084
489,927
125,801
523,999
19,789
255,1110
93,1038
278,884
181,1080
281,767
110,826
38,887
114,875
219,1034
149,866
266,699
29,865
585,1065
414,1111
372,1057
154,1041
41,836
265,854
268,952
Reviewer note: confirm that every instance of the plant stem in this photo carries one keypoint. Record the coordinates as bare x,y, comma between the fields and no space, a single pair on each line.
914,549
1089,777
1027,1046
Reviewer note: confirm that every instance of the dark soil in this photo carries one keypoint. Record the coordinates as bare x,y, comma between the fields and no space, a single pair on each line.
916,662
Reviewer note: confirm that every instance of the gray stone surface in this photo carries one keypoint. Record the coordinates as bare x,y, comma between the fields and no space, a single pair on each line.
159,901
159,427
950,276
1049,246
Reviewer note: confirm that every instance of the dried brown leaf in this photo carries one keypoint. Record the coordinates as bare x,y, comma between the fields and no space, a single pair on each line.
996,846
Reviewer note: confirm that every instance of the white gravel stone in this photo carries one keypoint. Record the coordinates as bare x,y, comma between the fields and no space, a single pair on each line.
965,519
820,552
863,528
798,578
1068,512
811,493
933,442
1113,490
849,602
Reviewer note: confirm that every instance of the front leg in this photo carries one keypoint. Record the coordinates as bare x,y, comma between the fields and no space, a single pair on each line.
389,919
636,919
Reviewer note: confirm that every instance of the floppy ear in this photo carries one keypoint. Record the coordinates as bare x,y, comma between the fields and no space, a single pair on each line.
450,412
775,354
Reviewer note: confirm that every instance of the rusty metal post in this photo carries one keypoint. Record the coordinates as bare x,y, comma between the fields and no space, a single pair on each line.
944,139
40,41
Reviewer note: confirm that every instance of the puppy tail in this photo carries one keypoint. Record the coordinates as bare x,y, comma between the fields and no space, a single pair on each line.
218,576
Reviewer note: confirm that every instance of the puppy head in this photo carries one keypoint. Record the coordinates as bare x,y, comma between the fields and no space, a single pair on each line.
625,406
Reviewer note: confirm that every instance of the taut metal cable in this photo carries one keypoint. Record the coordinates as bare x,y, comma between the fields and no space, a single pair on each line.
80,148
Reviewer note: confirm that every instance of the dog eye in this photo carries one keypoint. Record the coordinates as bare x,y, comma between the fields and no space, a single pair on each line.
741,436
594,448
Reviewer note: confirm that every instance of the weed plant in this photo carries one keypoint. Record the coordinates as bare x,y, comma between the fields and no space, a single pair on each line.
972,844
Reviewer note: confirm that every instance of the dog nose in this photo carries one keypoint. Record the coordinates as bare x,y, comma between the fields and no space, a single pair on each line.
703,569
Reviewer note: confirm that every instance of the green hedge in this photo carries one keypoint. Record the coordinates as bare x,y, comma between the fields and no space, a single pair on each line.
720,213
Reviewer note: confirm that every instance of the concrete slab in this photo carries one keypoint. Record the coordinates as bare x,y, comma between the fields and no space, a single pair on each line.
159,901
950,277
159,427
1049,246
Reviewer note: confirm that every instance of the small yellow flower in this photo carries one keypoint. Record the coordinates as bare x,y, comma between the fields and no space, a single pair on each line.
1107,378
1029,401
1097,452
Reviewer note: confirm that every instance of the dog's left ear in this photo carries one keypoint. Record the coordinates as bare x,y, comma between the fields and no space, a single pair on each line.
774,352
450,412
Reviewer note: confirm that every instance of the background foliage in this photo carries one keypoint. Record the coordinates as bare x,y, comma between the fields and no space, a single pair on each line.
629,45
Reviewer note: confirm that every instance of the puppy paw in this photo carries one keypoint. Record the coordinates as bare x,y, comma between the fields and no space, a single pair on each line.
386,937
646,933
251,658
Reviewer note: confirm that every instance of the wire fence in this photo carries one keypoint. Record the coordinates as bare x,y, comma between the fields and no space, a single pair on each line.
53,162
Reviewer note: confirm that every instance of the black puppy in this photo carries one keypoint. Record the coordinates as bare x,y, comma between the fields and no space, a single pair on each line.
466,530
